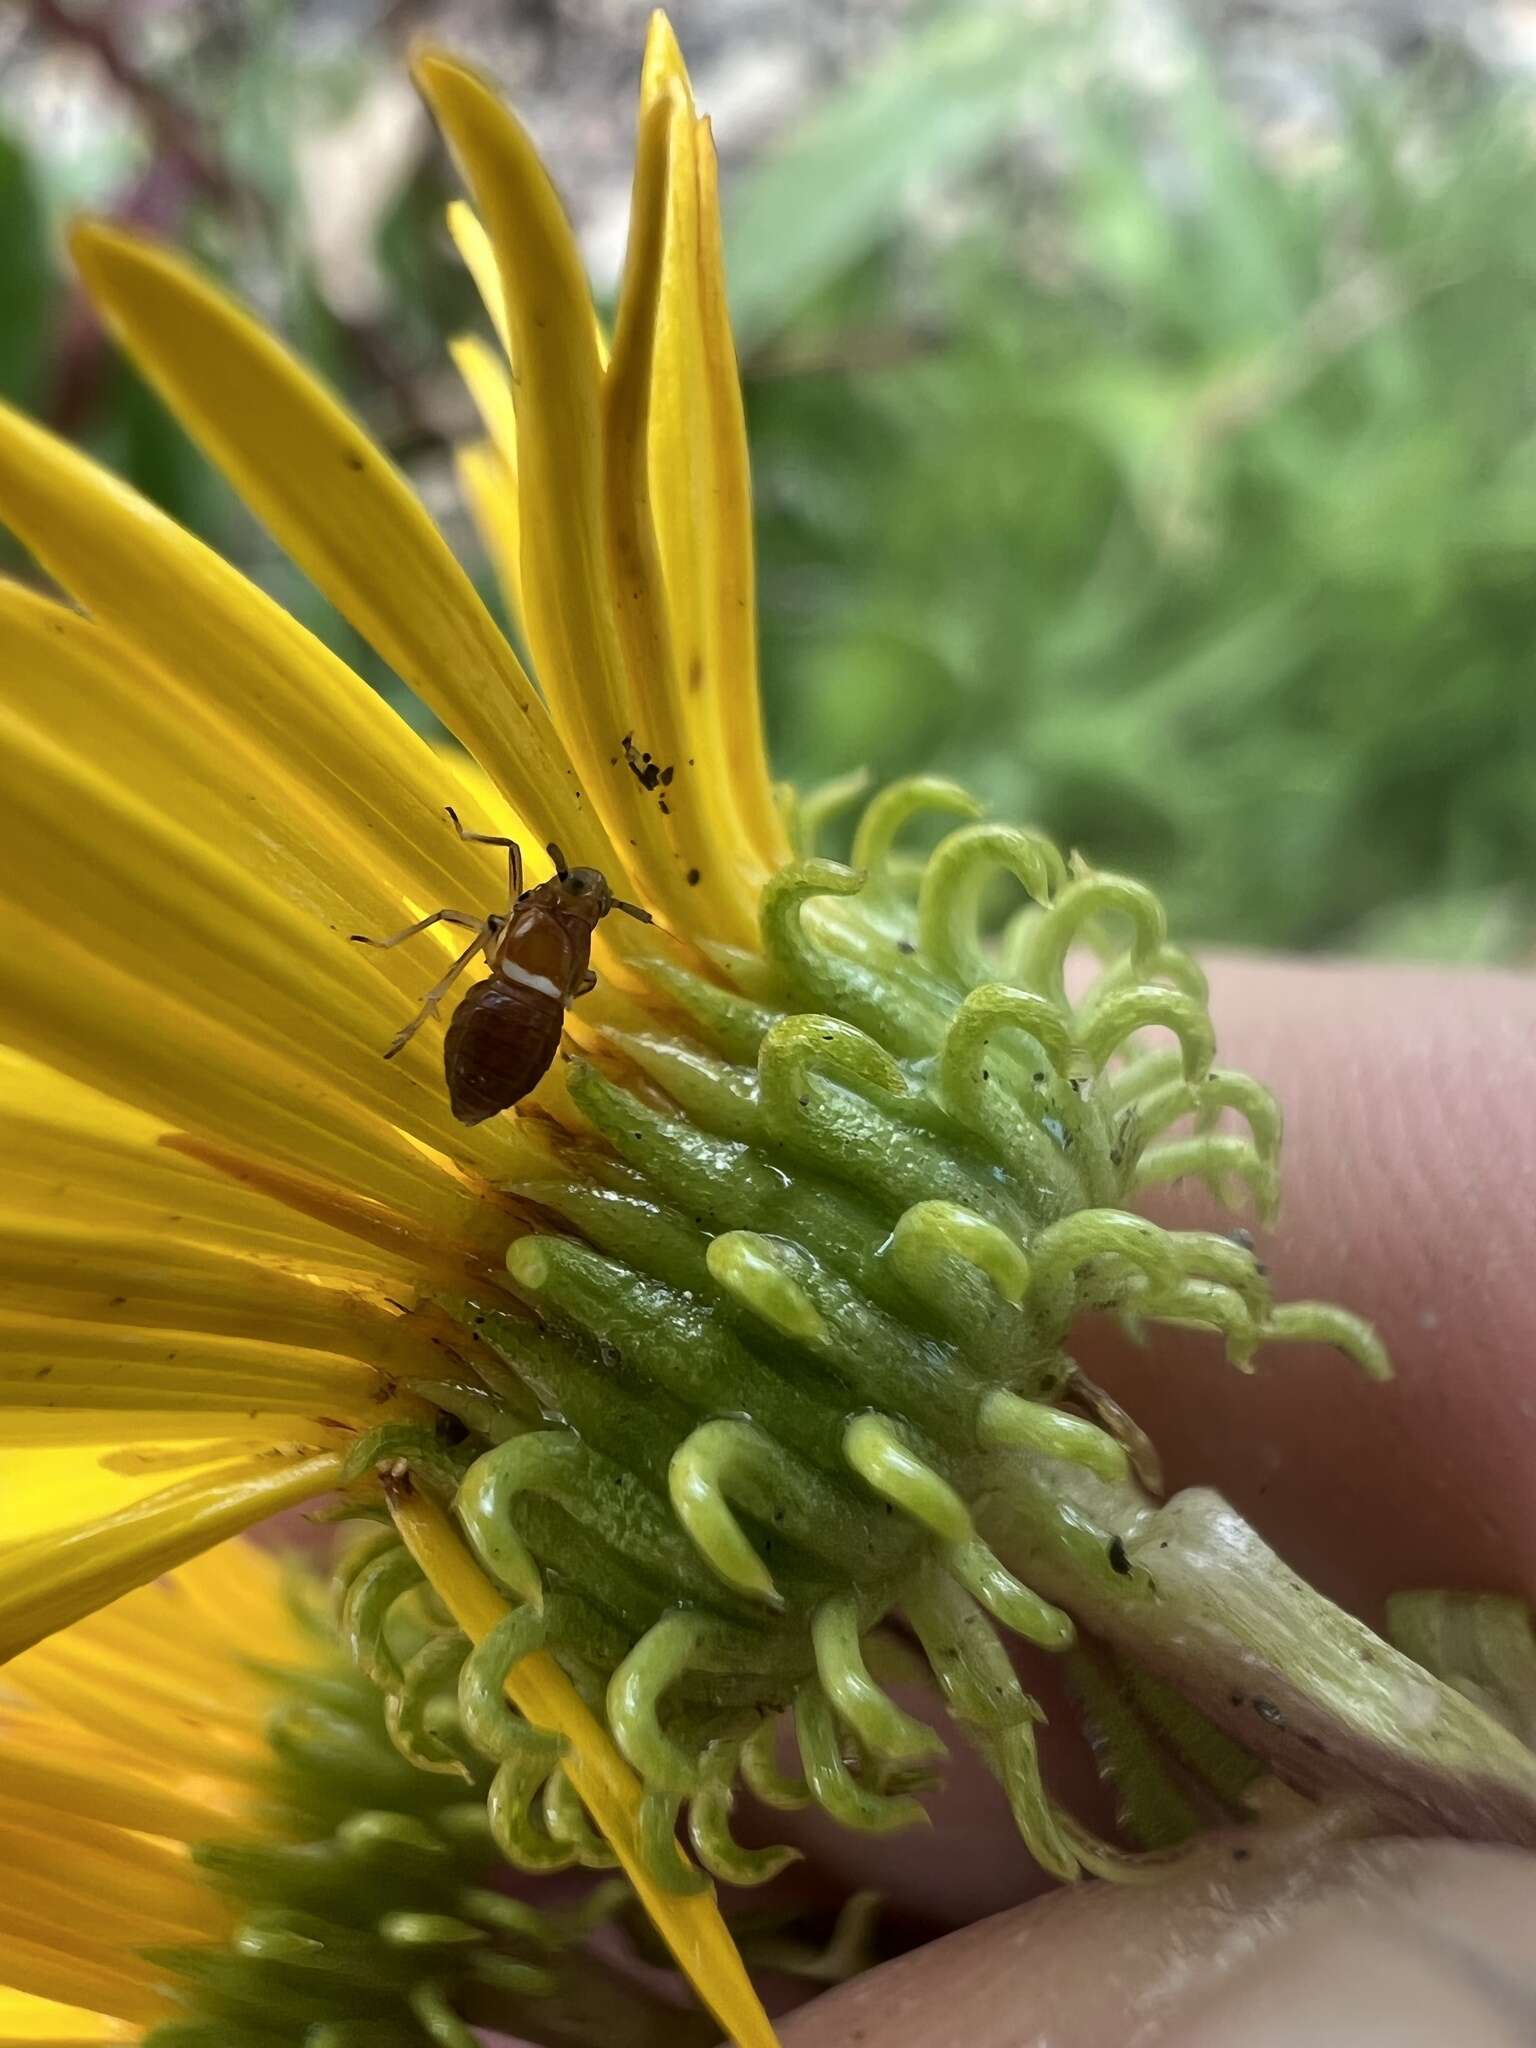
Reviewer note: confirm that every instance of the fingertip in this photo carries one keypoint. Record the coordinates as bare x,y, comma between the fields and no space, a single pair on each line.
1409,1177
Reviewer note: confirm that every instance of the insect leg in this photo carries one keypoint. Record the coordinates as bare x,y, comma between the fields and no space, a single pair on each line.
585,986
514,853
462,917
435,995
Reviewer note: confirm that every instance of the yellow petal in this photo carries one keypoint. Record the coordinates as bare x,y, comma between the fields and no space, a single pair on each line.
697,797
48,1487
159,1636
228,911
238,785
214,939
121,556
206,1622
71,1882
691,1926
101,1220
75,1152
158,1878
700,476
488,474
731,665
72,1266
57,1768
489,489
491,389
28,2022
479,259
105,1228
342,510
567,594
138,1443
114,1031
236,1601
51,1581
50,1362
107,713
165,1724
302,732
81,1980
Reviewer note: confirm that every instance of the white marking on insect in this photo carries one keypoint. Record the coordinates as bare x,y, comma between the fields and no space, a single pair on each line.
541,983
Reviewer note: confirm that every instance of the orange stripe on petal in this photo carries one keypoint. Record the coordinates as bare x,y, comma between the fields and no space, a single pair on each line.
71,1009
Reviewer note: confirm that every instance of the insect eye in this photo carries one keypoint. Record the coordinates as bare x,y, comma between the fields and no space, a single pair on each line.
577,887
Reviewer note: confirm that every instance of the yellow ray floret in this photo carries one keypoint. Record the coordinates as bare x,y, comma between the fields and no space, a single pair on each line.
240,672
231,1236
568,596
479,259
691,1925
28,2022
342,510
489,489
216,1351
122,1741
50,1581
595,599
699,471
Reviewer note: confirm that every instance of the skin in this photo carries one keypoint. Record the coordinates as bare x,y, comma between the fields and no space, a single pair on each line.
1410,1184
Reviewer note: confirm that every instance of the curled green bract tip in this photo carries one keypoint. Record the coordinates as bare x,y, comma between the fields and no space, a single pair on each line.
800,1312
744,1262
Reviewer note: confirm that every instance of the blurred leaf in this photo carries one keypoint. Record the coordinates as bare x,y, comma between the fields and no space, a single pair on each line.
26,291
1206,537
936,106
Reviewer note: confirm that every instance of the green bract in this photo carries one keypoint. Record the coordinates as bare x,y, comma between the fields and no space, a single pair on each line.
802,1304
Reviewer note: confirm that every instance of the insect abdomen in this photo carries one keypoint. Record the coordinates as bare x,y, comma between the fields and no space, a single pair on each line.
500,1044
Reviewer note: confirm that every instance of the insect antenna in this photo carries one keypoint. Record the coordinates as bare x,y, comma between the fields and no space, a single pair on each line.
632,910
558,858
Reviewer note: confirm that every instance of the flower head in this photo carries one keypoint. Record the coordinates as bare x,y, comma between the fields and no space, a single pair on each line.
718,1351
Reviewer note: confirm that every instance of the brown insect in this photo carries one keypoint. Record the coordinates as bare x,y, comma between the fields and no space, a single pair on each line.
505,1033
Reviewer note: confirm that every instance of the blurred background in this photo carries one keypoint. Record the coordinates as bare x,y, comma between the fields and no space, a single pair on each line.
1143,396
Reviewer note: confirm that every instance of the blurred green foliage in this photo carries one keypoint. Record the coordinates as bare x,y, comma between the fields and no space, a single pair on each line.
1198,520
1180,502
25,286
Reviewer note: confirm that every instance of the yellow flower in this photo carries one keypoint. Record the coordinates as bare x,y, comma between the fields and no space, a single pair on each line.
214,1845
122,1742
225,1216
201,803
720,1352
